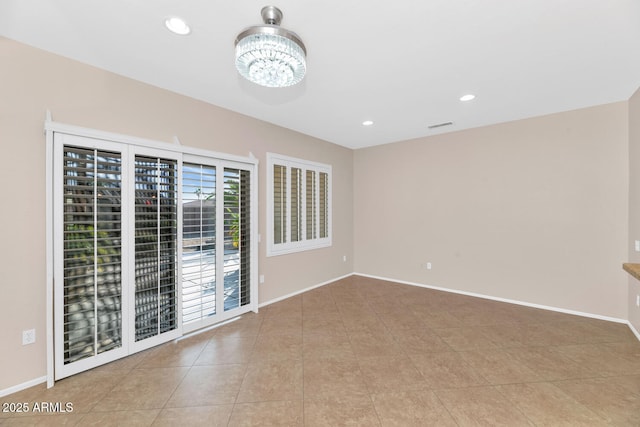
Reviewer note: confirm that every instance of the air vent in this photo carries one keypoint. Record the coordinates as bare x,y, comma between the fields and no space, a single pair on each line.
439,125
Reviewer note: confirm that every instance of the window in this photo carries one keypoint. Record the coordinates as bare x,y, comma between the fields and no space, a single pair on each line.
298,203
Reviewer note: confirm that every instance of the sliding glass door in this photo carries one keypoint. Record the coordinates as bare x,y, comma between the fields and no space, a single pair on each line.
148,244
90,266
216,243
156,248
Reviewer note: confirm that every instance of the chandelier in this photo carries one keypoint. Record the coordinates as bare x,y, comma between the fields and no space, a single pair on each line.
270,55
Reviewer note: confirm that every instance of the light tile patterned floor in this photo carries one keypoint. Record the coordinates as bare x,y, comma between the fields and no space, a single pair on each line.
364,352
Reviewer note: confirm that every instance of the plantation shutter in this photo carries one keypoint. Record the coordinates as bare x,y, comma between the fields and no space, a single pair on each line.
198,242
312,204
237,240
323,195
217,244
279,203
92,254
298,205
156,234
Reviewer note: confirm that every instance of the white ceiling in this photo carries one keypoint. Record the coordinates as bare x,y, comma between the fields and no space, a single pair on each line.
402,63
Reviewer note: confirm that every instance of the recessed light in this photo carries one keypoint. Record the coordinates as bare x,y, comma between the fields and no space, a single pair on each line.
177,25
367,123
467,97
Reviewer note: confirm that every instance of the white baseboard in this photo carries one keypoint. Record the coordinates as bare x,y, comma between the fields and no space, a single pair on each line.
264,304
510,301
455,291
23,386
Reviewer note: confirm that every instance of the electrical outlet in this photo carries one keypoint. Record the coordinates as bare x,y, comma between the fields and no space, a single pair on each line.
428,266
28,336
344,258
637,300
262,278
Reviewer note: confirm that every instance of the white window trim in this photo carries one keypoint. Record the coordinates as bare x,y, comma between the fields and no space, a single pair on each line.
288,246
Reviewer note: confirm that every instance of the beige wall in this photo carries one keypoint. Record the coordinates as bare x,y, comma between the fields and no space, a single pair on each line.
533,210
32,81
634,203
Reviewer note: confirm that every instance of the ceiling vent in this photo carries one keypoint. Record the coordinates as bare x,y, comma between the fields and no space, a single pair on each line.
439,125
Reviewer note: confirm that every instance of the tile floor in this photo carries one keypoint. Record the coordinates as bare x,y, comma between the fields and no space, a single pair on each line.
364,352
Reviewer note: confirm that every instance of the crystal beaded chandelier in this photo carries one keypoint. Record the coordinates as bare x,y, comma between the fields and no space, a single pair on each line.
270,55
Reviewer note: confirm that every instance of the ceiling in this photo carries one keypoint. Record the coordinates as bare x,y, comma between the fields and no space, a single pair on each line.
403,64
